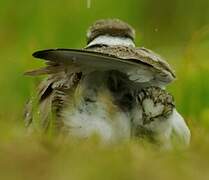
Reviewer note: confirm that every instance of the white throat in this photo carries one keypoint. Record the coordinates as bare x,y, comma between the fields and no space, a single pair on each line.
112,41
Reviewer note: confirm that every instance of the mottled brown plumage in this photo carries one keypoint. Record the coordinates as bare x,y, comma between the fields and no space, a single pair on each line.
152,115
158,96
138,56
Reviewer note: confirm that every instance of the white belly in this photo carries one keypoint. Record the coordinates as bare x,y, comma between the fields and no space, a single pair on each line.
97,118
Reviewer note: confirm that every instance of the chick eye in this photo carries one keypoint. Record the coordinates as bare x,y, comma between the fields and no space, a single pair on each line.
87,99
152,119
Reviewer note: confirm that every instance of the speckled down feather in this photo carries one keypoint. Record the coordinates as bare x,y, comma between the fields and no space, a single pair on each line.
52,95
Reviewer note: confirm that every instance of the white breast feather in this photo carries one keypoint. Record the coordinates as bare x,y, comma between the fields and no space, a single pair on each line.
96,120
179,127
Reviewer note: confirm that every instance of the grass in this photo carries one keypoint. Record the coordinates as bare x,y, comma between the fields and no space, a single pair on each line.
28,26
41,158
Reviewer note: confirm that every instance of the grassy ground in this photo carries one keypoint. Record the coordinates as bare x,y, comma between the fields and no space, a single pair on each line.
180,36
41,158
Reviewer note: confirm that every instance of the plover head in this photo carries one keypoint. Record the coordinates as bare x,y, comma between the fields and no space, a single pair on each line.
110,32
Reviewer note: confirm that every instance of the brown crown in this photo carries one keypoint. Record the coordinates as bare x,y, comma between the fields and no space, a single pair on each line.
112,27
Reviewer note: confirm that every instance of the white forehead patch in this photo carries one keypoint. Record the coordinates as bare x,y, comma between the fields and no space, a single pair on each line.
112,41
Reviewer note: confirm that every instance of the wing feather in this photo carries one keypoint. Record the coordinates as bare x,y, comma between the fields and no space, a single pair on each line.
141,64
51,95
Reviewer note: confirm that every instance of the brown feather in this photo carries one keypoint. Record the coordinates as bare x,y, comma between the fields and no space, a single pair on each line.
51,94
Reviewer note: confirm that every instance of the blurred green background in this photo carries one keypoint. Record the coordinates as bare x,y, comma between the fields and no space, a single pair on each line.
178,30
